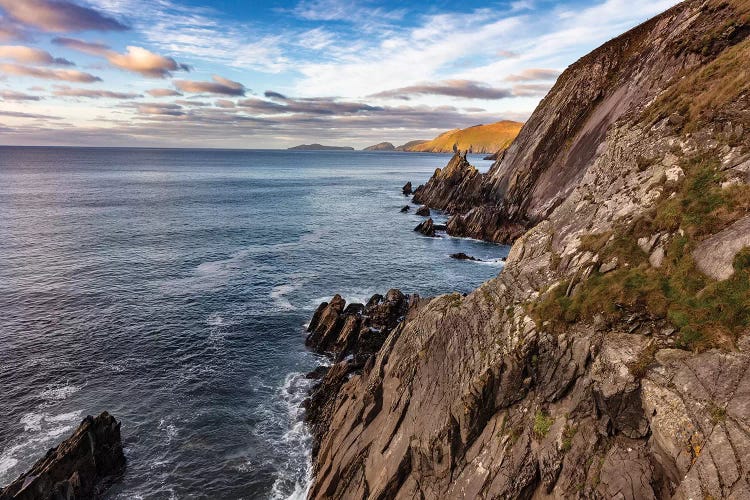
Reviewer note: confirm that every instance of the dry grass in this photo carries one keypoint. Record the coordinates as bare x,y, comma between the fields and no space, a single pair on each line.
480,138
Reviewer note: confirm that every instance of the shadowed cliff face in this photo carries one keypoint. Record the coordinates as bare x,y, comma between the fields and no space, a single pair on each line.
602,362
564,135
78,468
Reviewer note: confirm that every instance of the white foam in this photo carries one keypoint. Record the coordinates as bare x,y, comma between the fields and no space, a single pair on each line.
59,393
278,294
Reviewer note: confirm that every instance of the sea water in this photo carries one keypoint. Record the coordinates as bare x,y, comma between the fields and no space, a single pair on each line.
171,288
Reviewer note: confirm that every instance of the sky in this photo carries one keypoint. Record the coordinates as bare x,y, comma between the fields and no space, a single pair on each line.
274,74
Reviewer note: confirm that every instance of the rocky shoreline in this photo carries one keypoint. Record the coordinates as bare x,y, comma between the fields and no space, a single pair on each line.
601,362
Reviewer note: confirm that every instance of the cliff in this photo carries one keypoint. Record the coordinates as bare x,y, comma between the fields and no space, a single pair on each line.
79,468
565,134
382,146
610,358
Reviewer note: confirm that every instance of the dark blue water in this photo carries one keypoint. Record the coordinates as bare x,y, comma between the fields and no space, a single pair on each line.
170,287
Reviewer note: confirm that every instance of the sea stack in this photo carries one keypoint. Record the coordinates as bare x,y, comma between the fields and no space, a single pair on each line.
80,468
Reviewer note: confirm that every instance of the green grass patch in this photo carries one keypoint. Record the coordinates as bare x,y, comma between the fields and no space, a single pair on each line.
542,424
707,313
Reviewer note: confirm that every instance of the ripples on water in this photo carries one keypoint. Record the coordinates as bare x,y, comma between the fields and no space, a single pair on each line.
171,288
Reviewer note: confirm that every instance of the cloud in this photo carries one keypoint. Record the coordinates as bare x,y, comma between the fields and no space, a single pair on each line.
225,103
531,89
534,74
18,114
10,95
343,10
220,86
163,93
135,59
11,31
145,62
96,49
30,55
160,109
274,95
93,93
311,106
59,16
451,88
67,75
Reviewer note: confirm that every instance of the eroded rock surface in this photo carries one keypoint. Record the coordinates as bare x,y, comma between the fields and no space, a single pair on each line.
475,397
79,468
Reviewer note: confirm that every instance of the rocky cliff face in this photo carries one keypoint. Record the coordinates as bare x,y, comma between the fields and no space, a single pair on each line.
78,468
567,131
610,358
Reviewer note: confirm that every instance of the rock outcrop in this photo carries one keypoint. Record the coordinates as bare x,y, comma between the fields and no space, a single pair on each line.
601,362
426,228
407,190
405,209
463,256
568,130
423,211
79,468
350,335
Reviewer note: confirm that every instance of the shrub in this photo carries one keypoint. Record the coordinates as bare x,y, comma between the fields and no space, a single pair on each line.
542,424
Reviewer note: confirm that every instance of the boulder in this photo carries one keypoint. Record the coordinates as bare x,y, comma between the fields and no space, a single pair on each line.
404,209
423,211
81,467
407,190
427,228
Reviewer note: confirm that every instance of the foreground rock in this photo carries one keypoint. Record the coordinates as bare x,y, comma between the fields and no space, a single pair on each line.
79,468
351,335
556,380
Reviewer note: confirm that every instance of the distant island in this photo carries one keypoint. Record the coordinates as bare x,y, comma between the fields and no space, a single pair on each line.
481,139
319,147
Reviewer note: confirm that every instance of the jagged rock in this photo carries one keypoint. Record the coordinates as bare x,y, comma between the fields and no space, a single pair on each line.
340,330
405,209
427,228
407,189
423,211
81,467
463,256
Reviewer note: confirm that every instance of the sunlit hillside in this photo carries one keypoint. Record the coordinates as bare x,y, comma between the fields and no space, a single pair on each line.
489,138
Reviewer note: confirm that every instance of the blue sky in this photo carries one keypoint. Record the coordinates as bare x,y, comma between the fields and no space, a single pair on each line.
269,74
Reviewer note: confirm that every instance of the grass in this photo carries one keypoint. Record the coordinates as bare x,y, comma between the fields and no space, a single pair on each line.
567,438
716,85
542,424
706,313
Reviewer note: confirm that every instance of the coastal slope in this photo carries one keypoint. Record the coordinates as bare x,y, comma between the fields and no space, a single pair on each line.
611,357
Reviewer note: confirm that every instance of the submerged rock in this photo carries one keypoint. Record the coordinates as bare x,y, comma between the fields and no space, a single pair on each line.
404,209
407,189
423,211
463,256
427,228
81,467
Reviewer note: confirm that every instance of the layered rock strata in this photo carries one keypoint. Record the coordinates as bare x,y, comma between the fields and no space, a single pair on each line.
79,468
584,370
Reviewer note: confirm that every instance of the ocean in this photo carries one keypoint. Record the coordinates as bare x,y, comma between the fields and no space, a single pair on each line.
171,288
